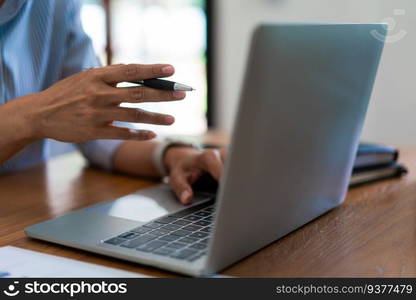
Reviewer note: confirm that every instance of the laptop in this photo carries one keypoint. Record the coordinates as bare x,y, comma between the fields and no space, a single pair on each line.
301,112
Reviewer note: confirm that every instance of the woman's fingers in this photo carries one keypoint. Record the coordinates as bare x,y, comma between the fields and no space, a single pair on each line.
83,113
210,161
133,72
179,181
187,172
133,115
105,95
101,88
111,132
139,94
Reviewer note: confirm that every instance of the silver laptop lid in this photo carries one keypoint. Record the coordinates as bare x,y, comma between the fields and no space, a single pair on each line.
303,105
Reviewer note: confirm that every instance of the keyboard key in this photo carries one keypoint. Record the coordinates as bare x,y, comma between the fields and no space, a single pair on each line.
151,246
166,220
128,235
171,227
182,213
184,254
138,241
202,223
199,234
199,246
176,245
114,241
193,218
181,233
192,228
188,240
203,214
206,229
141,229
160,232
164,251
153,225
182,222
169,238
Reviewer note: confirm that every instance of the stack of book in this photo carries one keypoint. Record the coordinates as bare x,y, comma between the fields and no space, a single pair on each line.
375,163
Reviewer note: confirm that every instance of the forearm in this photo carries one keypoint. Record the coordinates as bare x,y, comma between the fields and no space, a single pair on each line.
15,127
136,158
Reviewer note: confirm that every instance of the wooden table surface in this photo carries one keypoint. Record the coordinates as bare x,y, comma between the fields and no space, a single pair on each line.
373,234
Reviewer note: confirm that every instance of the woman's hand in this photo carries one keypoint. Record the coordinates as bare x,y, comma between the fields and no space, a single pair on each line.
186,165
82,107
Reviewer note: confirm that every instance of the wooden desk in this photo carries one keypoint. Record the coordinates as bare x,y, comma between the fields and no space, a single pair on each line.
372,234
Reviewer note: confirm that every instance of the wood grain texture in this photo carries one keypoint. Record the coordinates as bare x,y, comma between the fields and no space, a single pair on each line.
372,234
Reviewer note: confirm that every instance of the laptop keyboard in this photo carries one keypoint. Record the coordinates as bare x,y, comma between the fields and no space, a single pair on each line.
183,235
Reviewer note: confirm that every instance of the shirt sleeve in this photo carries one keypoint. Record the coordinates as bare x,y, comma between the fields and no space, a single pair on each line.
80,56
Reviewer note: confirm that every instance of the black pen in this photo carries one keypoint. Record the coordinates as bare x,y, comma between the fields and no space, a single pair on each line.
165,85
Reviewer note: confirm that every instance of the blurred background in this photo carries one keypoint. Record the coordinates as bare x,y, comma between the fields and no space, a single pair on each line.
207,41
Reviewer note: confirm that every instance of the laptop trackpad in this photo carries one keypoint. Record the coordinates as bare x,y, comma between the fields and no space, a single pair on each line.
144,205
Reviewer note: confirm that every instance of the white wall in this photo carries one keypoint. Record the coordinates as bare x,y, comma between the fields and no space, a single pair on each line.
391,117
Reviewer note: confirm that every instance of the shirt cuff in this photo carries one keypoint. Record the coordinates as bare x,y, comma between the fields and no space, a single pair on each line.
100,152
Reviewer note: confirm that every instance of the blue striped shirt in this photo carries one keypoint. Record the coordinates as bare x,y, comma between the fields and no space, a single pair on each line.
42,42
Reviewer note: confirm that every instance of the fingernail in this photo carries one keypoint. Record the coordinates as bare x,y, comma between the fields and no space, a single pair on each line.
168,70
150,134
185,196
169,119
179,94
